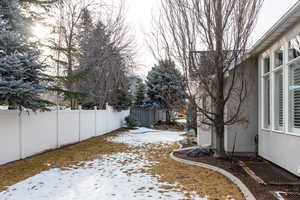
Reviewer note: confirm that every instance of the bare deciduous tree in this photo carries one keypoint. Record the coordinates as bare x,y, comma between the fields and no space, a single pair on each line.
221,28
107,50
107,55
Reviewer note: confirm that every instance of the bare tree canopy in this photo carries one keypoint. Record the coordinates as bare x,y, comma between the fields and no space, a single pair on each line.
221,30
92,50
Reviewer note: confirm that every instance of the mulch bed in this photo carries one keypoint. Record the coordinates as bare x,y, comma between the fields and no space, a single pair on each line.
273,175
261,192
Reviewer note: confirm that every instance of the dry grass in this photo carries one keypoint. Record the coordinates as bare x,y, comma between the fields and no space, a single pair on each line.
62,158
191,178
187,179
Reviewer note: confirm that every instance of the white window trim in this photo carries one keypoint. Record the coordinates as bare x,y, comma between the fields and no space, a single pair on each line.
285,70
273,70
272,89
262,78
286,118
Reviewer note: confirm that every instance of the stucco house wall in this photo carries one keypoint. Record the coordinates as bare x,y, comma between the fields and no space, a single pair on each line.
279,147
243,136
240,135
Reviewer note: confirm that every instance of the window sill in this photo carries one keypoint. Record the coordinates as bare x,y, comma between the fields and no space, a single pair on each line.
267,131
278,131
293,134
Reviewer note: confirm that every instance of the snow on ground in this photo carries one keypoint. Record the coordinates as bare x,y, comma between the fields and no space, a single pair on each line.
144,136
113,177
181,120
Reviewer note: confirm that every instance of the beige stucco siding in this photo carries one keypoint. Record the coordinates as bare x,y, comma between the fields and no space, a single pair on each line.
242,135
246,131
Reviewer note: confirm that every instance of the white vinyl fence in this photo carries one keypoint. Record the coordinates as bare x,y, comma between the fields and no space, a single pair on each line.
23,135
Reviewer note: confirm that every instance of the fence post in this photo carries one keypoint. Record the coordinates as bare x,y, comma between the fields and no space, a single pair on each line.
57,126
79,112
95,109
20,135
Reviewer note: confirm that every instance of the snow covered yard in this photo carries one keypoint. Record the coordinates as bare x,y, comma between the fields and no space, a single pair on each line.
141,171
113,176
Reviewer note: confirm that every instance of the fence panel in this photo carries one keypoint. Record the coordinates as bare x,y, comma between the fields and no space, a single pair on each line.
68,127
148,116
101,122
9,136
23,135
87,124
38,132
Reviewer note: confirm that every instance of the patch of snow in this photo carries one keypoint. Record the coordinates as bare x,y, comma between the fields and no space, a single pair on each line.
111,177
181,120
142,136
105,178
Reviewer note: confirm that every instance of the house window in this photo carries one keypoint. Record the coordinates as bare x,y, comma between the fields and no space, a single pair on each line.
294,97
266,92
278,100
267,65
278,57
294,48
267,102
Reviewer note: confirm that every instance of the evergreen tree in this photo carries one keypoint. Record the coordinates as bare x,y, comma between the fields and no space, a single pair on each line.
20,70
66,51
121,100
164,87
140,95
85,30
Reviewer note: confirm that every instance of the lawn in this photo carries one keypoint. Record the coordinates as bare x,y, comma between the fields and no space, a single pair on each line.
133,164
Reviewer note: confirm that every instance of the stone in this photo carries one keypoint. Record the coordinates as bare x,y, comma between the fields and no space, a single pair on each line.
197,152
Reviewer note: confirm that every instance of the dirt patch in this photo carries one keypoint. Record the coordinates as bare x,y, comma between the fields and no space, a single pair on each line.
190,178
17,171
261,192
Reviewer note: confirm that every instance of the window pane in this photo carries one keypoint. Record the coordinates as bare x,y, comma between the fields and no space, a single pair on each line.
278,101
278,57
266,64
294,97
294,48
267,102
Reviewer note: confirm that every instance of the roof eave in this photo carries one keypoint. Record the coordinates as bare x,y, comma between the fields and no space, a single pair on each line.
277,30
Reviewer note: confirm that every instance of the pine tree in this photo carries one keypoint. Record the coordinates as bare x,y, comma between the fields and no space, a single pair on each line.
20,70
66,52
140,95
164,87
85,30
121,100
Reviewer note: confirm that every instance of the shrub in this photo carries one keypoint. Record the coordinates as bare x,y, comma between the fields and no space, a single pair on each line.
131,122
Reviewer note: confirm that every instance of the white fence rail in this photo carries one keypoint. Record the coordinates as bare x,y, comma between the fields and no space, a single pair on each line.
23,135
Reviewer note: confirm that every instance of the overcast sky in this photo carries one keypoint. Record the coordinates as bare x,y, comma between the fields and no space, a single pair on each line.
140,15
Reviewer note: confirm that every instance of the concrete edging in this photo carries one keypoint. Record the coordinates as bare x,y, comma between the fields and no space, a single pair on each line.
243,188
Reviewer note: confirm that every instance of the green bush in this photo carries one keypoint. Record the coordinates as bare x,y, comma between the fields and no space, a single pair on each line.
131,122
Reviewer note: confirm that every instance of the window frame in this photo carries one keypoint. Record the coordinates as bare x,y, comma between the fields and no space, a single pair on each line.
273,71
263,77
277,127
291,129
287,113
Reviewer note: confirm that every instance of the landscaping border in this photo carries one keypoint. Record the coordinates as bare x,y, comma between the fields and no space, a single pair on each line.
243,188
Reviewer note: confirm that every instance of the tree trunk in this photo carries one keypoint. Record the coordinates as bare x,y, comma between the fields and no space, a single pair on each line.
220,150
219,102
168,117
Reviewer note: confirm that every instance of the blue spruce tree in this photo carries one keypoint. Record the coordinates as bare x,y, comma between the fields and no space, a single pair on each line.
165,87
20,70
